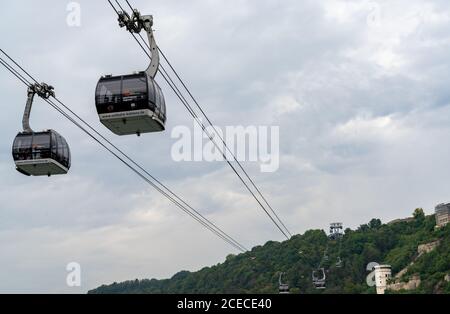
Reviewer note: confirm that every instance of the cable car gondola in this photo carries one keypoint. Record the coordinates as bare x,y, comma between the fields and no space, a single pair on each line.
43,153
319,282
134,103
283,288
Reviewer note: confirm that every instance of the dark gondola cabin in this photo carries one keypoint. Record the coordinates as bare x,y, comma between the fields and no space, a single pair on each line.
130,104
41,153
319,278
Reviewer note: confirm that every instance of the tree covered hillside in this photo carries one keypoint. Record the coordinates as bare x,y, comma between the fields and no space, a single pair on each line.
257,271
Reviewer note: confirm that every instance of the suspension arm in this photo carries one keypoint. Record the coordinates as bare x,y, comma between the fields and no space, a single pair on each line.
42,90
135,24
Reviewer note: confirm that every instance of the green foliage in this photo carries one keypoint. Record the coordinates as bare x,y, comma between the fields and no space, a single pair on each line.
375,224
257,271
419,214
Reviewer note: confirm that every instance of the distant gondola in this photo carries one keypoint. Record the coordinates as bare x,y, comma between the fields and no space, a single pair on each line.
43,153
133,103
283,288
319,278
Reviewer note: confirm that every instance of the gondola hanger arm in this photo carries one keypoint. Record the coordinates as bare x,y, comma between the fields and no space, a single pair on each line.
135,24
44,91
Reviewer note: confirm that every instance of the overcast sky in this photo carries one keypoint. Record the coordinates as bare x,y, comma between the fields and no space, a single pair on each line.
358,88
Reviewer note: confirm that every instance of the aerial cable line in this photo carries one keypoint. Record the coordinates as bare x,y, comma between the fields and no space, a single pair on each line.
197,119
131,160
181,97
192,112
142,176
202,220
129,5
223,141
150,182
21,78
186,104
212,125
125,155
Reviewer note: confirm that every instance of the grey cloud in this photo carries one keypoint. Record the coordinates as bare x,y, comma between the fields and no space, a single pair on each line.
363,116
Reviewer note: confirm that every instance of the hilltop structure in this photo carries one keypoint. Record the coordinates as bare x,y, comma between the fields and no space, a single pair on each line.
336,230
382,275
442,212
